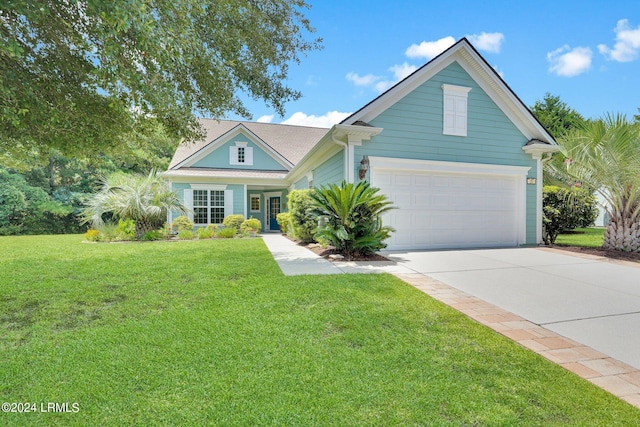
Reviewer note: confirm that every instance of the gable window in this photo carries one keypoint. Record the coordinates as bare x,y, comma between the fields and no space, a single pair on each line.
208,206
454,112
255,203
240,154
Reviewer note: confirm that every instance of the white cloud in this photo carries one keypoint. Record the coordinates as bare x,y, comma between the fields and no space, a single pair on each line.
488,42
429,50
627,43
359,80
569,62
325,121
402,70
266,118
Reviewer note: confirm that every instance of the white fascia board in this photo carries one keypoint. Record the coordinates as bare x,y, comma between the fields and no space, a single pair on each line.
357,133
228,136
190,179
323,150
485,77
391,163
537,150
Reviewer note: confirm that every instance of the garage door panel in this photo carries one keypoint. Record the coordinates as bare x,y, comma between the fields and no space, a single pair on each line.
439,210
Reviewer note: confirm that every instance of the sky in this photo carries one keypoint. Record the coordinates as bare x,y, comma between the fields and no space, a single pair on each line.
586,52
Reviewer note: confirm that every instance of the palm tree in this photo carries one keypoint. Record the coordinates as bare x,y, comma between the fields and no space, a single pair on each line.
604,154
352,213
146,199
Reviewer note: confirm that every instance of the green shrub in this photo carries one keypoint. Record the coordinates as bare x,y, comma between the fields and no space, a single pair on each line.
283,219
227,233
153,235
251,224
182,223
126,230
205,232
352,214
186,234
109,231
302,219
565,209
233,221
93,235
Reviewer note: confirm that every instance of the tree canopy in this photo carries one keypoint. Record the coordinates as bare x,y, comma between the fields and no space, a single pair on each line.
556,115
79,76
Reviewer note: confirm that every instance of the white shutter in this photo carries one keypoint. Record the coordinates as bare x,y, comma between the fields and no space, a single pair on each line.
248,156
228,202
188,201
233,155
454,111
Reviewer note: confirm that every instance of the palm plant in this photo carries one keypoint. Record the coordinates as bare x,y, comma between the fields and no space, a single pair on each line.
146,199
352,214
604,155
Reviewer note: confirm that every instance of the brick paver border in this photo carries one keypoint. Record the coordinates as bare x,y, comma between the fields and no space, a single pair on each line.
610,374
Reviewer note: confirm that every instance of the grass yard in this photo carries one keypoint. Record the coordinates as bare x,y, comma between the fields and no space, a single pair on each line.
211,333
585,237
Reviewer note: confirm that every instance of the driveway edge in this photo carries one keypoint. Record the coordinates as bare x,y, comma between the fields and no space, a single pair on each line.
610,374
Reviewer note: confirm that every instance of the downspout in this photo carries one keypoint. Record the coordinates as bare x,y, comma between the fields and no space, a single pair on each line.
346,156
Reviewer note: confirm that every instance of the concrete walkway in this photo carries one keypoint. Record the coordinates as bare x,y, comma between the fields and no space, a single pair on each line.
581,312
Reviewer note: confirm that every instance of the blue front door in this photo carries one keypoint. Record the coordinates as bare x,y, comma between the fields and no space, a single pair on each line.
274,210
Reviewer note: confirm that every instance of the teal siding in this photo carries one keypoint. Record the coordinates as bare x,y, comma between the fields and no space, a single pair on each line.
179,189
301,184
219,158
238,198
330,172
413,129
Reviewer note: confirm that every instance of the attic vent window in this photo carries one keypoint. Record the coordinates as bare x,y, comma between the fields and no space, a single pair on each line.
454,114
240,154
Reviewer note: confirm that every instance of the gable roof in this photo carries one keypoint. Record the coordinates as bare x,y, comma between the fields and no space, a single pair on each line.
480,71
289,142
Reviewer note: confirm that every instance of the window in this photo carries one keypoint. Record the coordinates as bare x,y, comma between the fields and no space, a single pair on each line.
255,203
240,154
208,206
454,113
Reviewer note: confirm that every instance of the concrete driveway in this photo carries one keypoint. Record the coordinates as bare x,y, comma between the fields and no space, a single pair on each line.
593,301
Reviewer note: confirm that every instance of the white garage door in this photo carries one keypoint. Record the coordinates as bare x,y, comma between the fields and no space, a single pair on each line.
439,209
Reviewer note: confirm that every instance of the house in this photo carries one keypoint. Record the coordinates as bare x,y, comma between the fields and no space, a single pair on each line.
451,145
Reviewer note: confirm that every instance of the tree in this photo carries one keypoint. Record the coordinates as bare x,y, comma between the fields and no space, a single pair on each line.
77,75
556,116
352,212
146,199
604,155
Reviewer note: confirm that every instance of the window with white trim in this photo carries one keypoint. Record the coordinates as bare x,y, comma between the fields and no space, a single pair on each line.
240,154
454,111
208,206
255,203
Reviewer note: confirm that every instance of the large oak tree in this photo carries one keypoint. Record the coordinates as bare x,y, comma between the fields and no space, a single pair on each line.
78,76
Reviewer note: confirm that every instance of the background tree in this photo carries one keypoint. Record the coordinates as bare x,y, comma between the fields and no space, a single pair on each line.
556,116
605,156
146,199
76,76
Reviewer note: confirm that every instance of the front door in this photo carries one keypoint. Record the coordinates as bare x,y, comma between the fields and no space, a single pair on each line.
274,210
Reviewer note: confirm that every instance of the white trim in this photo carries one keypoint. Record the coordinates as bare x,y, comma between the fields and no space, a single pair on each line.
240,143
480,72
454,109
267,207
539,212
447,167
251,197
208,187
519,173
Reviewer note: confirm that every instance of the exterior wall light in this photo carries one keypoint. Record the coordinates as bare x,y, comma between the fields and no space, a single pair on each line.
364,167
531,181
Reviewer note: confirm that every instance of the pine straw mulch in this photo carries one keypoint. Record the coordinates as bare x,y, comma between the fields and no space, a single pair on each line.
325,252
606,253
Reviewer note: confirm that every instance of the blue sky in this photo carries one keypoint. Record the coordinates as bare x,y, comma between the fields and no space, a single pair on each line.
586,52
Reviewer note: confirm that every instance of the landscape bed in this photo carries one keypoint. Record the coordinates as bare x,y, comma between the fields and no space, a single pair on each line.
210,332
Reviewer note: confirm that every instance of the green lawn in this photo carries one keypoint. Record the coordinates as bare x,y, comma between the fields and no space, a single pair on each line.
586,237
211,333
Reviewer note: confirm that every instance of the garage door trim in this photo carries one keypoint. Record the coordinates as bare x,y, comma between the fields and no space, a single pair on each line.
516,173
